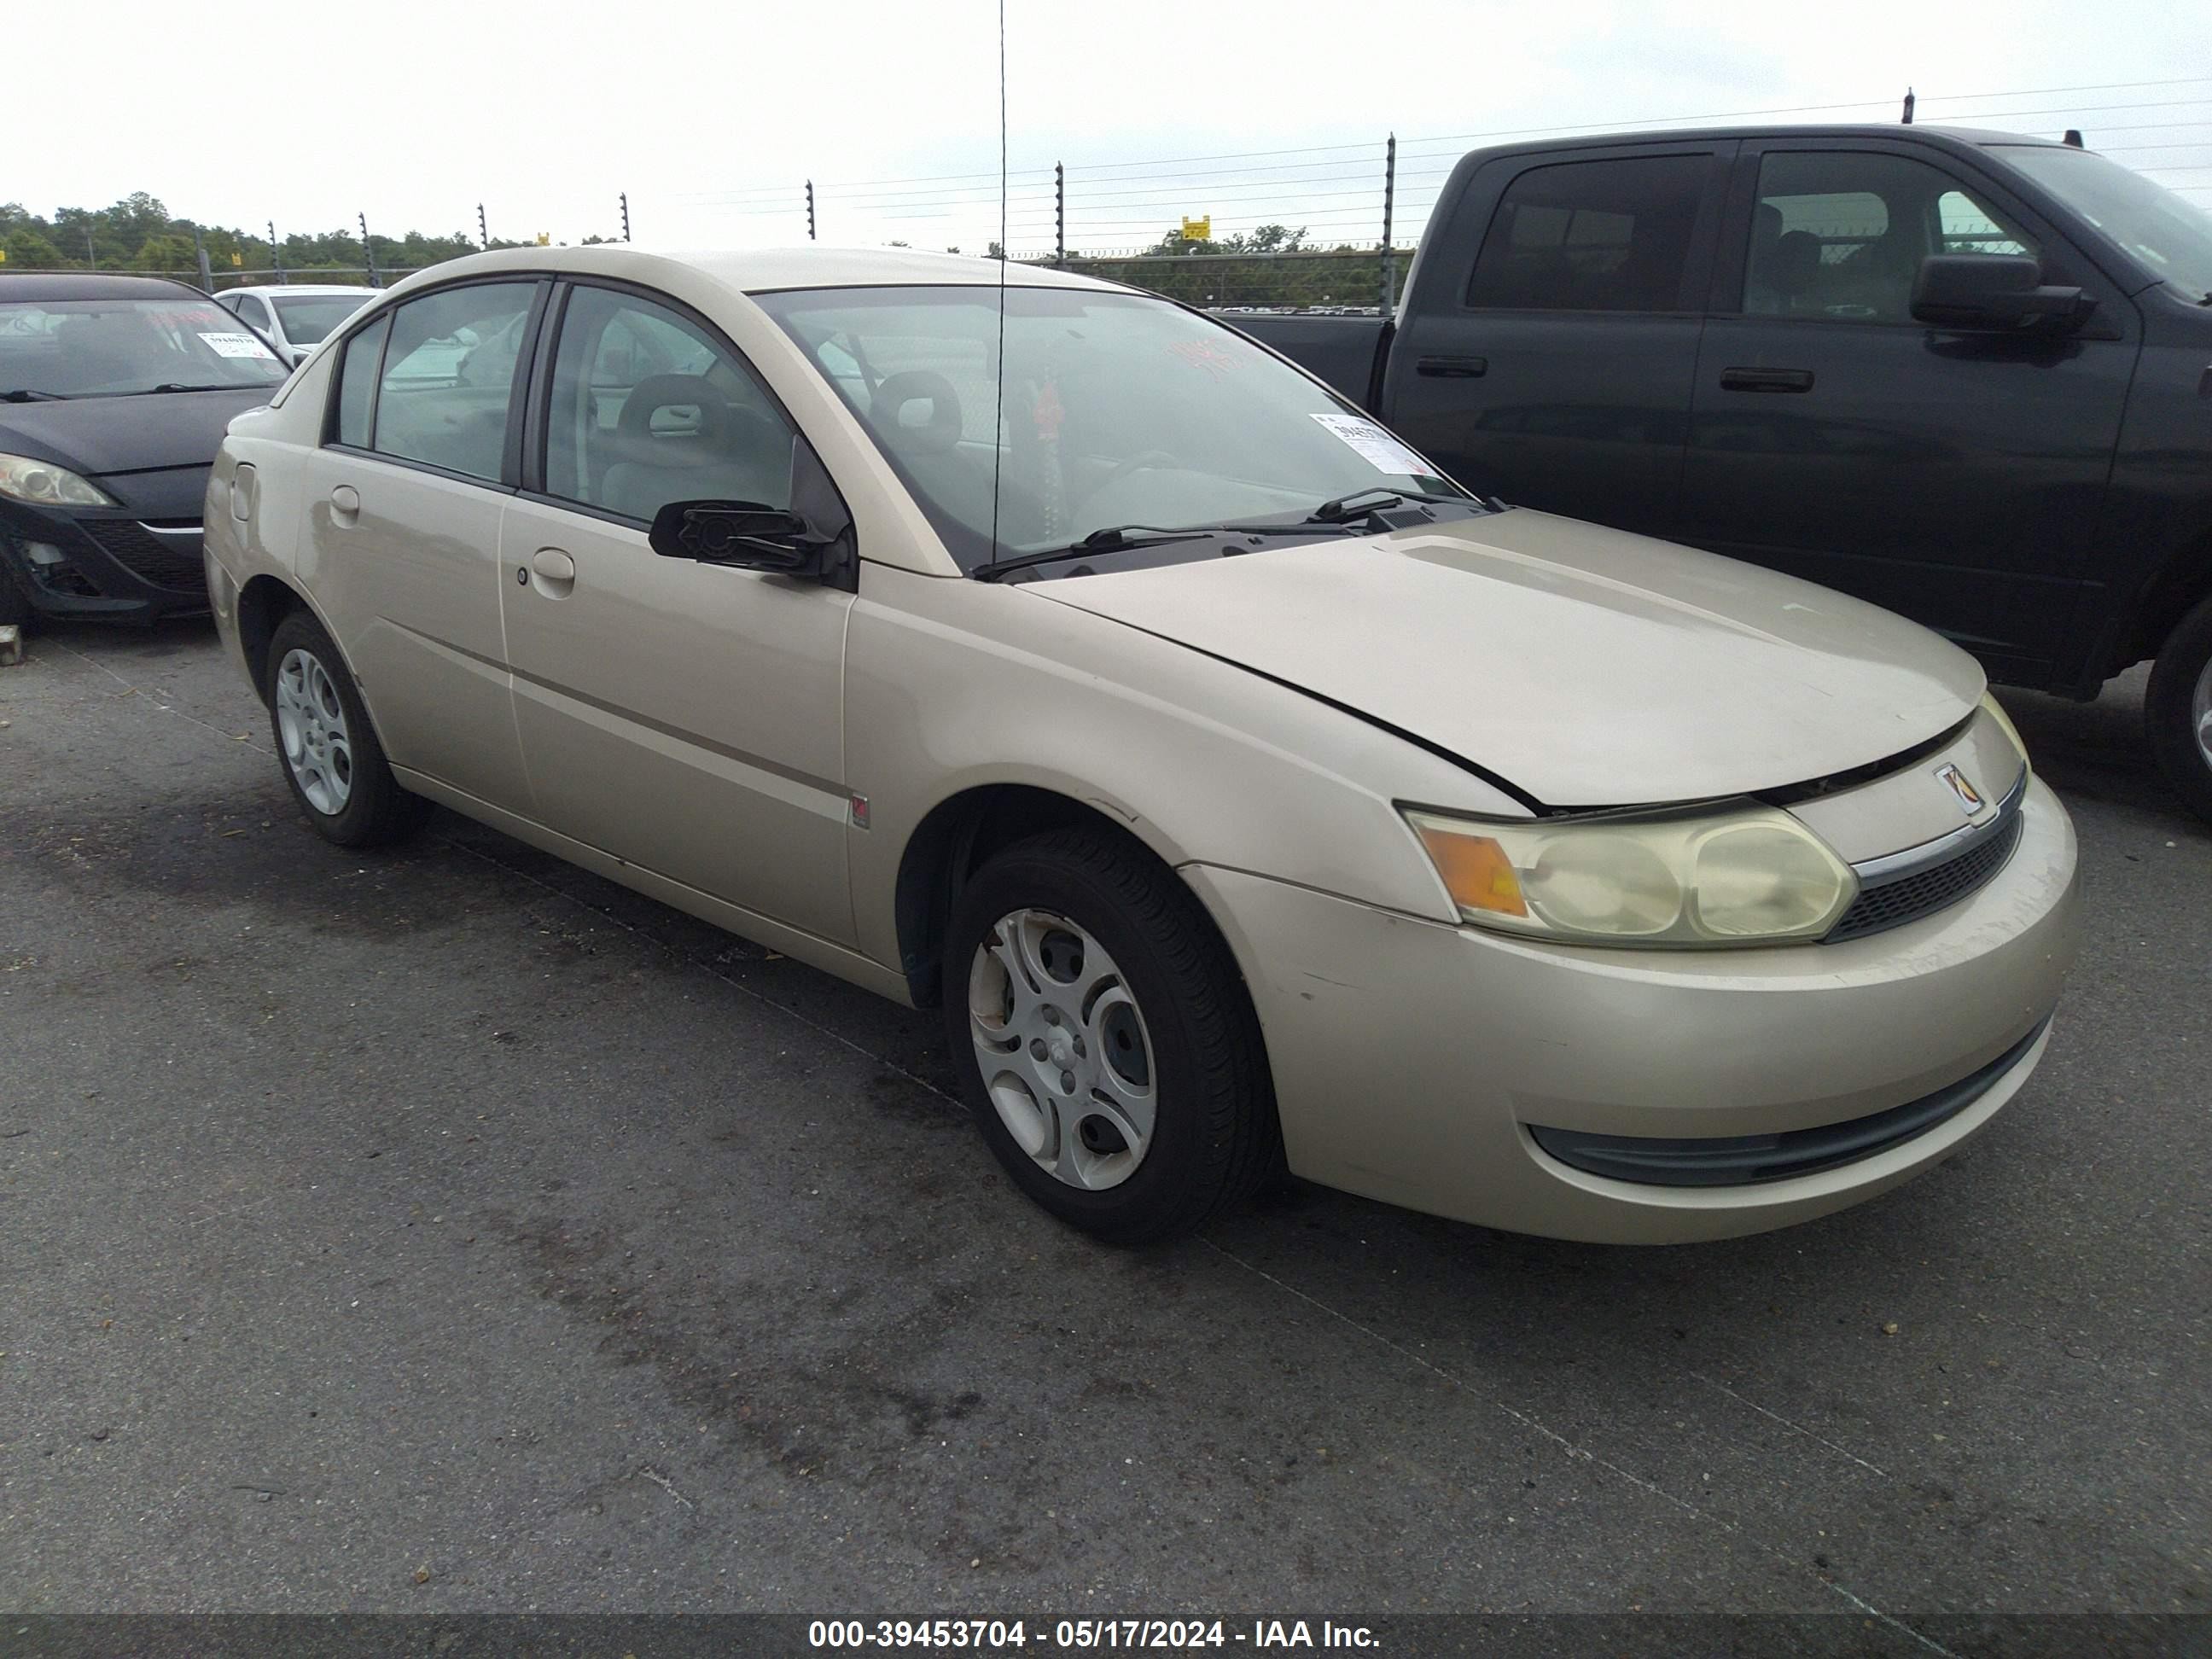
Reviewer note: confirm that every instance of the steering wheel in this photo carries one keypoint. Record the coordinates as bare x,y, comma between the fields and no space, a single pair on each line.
1143,461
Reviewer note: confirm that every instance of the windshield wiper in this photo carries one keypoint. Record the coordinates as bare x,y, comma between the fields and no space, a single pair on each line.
1361,502
27,394
179,385
1122,538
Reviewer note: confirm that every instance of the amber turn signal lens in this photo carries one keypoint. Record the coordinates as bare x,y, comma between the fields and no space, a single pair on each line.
1476,872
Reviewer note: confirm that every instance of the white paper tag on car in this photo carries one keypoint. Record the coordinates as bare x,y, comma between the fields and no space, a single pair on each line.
1372,444
236,345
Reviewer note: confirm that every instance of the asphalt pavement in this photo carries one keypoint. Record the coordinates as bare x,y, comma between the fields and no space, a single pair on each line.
448,1228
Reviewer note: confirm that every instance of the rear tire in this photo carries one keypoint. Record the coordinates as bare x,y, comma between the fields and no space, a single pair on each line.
2178,708
1104,1039
326,746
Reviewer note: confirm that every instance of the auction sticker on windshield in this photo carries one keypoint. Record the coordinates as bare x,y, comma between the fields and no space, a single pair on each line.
236,345
1373,445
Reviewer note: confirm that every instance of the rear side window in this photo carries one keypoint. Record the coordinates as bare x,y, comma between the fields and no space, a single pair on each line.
357,383
448,380
1609,235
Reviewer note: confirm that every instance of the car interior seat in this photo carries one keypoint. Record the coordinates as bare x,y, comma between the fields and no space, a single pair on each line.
705,451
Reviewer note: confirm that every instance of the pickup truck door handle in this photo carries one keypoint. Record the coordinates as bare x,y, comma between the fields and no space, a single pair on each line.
1766,380
1452,368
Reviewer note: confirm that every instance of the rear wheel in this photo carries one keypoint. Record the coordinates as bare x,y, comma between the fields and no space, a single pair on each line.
328,750
2178,708
1106,1044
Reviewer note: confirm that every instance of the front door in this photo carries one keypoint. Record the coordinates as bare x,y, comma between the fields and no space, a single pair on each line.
685,718
1957,478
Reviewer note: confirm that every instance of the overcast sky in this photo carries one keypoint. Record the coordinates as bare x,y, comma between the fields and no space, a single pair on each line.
708,113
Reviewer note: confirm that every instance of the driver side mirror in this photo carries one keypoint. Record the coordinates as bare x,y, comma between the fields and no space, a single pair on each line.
2000,293
749,537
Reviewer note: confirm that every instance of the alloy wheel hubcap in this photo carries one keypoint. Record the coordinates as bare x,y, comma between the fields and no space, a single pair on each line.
1063,1048
2200,713
312,724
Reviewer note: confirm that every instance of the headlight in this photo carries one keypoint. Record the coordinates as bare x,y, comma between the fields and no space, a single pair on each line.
1748,875
43,485
1997,713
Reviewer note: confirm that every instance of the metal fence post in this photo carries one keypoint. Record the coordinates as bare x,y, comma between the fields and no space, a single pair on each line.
1908,107
199,252
1389,250
624,199
368,252
483,228
810,209
1058,215
276,253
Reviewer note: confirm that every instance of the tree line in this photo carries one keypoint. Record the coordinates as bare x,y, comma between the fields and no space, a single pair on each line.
140,234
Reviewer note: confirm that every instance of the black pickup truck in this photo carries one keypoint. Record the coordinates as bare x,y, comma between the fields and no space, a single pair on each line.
1966,375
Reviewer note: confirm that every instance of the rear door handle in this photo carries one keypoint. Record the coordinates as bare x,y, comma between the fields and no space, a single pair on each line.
1452,368
345,503
1766,380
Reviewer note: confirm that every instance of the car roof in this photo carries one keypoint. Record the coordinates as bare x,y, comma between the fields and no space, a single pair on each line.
761,270
89,285
1925,132
299,287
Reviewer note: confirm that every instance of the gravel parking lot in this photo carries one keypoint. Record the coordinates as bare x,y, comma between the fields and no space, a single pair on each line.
453,1231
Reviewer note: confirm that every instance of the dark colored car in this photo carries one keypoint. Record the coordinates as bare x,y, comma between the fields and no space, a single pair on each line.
114,394
1966,375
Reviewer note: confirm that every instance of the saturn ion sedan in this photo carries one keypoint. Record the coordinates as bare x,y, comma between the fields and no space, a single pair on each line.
1249,794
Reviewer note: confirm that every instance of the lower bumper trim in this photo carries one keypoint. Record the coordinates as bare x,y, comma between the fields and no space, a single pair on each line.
1743,1160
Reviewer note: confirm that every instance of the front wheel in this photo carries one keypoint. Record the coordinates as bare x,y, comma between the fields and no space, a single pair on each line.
2178,708
1104,1039
329,751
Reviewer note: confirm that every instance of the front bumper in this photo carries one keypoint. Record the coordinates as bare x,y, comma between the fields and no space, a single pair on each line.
115,566
1412,1059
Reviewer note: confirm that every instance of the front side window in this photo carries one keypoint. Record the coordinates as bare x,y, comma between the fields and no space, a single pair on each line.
649,408
1593,236
448,378
118,348
1838,235
1104,410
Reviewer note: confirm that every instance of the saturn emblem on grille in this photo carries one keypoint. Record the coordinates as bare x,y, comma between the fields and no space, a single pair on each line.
1969,797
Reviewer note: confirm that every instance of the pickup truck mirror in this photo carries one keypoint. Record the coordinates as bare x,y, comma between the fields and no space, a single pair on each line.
1995,292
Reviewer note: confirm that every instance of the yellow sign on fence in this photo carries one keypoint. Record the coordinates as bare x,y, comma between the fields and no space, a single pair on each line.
236,257
1198,230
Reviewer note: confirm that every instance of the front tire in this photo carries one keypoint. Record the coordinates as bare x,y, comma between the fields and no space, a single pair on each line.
1104,1039
328,750
2178,708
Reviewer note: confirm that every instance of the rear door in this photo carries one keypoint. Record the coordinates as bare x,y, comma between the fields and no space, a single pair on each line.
685,718
402,545
1957,478
1553,366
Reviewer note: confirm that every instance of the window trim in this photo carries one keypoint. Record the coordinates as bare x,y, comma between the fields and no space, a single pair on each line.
542,283
1699,259
540,416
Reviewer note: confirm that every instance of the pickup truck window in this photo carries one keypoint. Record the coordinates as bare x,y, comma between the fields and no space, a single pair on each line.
1838,235
1611,236
2169,234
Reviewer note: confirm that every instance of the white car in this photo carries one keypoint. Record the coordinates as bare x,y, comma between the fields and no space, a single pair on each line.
1243,790
296,316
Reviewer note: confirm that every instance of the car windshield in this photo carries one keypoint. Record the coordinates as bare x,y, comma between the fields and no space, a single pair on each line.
2168,233
112,348
308,318
1119,410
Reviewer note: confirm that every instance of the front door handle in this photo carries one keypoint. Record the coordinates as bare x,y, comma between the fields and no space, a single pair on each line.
1766,380
1452,368
551,572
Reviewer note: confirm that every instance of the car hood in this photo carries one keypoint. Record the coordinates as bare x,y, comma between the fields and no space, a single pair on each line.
1585,666
99,436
